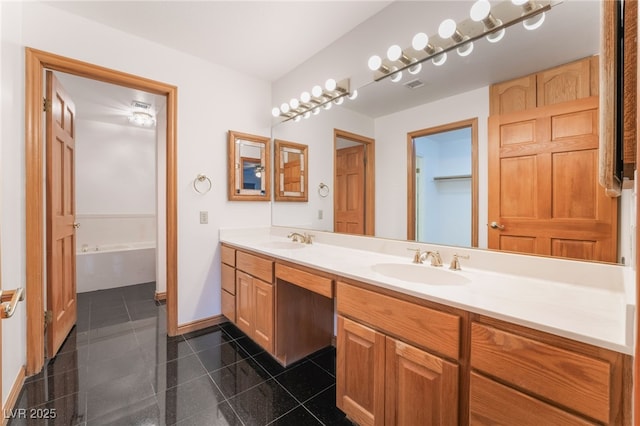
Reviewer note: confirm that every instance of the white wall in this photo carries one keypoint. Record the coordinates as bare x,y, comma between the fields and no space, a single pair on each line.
391,157
317,132
12,225
211,100
115,168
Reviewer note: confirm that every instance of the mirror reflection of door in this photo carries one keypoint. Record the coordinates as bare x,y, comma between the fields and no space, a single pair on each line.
353,206
442,185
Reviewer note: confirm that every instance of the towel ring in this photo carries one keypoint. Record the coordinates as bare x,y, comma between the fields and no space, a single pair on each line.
323,190
202,178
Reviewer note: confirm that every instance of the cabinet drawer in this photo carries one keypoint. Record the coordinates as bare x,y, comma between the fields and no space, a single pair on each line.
491,403
228,279
254,265
228,255
229,306
311,282
425,327
572,380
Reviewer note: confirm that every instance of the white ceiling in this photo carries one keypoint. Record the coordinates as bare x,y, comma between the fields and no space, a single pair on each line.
294,31
242,35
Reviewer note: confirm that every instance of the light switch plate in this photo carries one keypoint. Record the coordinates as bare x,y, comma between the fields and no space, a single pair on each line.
204,217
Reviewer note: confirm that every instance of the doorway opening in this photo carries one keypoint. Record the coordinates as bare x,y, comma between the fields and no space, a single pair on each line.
36,62
354,191
442,187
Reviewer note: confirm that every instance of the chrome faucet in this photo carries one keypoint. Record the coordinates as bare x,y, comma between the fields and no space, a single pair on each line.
436,260
300,238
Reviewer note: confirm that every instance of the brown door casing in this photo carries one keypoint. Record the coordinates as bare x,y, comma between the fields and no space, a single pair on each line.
36,62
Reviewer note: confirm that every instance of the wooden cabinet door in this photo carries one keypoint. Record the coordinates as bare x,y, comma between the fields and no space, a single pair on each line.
263,314
360,372
421,389
244,303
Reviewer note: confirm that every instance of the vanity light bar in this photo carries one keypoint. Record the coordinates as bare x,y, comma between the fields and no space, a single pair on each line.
310,103
485,21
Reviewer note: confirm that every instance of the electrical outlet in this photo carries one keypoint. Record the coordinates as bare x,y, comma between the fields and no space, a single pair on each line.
319,214
204,217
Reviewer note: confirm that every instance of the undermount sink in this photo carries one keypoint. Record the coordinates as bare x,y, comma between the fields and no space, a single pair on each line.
423,274
283,245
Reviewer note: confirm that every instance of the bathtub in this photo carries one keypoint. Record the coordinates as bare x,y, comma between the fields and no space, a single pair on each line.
101,267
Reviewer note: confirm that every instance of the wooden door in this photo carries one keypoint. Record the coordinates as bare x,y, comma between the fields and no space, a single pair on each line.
360,373
348,213
421,389
544,195
60,193
244,302
263,311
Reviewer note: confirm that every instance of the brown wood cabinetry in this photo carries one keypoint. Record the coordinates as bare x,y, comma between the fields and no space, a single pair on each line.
228,277
360,372
403,360
569,82
286,310
521,376
382,379
247,294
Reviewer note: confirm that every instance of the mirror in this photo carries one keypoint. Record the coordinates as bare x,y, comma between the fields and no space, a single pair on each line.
291,163
388,112
248,167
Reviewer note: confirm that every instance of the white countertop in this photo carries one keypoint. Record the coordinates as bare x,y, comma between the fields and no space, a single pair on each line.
588,302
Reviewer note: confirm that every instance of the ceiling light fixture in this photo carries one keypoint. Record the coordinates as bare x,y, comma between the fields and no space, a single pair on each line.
481,12
484,21
449,29
528,6
142,114
310,103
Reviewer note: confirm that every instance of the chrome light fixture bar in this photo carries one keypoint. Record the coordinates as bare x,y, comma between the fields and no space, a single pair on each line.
485,21
311,103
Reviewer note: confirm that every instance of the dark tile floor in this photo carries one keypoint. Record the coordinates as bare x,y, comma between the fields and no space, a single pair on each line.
118,367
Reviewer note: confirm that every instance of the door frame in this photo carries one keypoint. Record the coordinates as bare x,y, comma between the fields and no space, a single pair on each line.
411,176
36,62
369,176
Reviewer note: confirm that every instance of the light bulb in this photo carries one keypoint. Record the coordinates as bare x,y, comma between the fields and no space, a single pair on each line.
284,108
465,49
496,36
480,10
534,23
447,28
375,62
420,41
394,53
305,97
275,111
327,106
397,76
316,111
339,101
297,118
439,59
307,114
316,91
415,69
353,95
330,85
294,103
519,2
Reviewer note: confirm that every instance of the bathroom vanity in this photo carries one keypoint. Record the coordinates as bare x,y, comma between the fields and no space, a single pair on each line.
508,340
